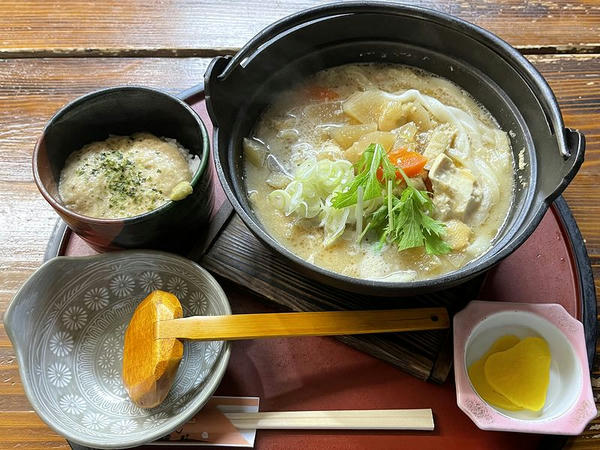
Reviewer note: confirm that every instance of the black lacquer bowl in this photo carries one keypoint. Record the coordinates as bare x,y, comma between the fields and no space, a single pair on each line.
239,88
126,110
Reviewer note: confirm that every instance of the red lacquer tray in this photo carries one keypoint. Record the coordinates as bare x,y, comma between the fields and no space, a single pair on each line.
322,373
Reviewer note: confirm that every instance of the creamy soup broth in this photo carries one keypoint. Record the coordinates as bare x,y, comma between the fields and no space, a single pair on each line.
469,168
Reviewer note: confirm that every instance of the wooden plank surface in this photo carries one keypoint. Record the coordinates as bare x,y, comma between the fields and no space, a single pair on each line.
204,28
16,425
563,39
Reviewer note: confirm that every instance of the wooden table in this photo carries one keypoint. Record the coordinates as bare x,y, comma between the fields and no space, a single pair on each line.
53,51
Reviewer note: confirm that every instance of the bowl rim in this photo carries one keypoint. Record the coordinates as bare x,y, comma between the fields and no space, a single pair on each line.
63,210
196,402
574,419
483,262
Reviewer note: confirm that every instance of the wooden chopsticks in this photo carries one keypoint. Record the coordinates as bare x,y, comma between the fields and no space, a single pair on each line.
375,419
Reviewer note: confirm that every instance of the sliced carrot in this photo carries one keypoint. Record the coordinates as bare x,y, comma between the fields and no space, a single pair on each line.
412,163
321,93
395,154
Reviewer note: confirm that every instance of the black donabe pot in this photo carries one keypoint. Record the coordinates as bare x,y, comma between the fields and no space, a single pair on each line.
239,88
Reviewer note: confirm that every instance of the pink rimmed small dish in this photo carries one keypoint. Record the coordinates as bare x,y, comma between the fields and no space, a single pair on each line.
569,403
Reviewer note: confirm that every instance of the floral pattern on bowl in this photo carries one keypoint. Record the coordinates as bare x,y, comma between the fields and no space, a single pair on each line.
67,324
569,403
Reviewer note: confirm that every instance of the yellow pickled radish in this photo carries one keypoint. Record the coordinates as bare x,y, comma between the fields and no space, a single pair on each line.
521,373
477,375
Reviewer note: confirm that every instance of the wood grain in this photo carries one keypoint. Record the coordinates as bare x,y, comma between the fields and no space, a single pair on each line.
24,429
150,364
381,419
206,28
31,90
322,323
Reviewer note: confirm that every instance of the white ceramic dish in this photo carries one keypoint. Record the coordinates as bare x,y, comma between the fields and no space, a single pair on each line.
67,325
569,402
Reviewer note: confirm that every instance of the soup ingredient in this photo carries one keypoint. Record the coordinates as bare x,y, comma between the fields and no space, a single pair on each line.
410,223
405,220
373,159
479,381
313,184
396,113
366,106
457,193
439,141
457,234
521,373
256,152
310,193
411,163
419,120
124,176
383,138
346,135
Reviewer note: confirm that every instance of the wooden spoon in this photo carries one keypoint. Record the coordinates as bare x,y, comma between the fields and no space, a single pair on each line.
153,351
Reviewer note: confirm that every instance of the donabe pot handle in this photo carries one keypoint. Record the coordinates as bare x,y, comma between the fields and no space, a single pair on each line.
294,20
575,144
219,111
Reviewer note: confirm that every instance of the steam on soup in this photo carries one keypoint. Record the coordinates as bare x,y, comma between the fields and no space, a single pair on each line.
380,172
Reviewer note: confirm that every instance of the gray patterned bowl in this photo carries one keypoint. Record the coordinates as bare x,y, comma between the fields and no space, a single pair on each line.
67,324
